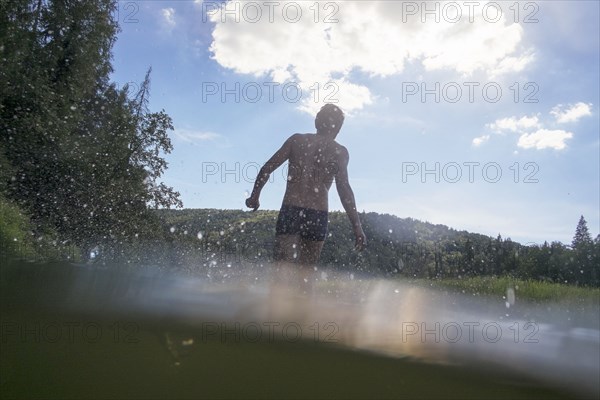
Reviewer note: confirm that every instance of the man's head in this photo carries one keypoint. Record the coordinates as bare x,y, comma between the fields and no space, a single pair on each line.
329,120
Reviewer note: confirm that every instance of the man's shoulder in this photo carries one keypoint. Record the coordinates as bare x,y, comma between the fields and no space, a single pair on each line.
299,136
340,149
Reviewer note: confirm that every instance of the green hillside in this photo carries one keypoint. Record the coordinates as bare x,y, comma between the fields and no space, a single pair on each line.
396,247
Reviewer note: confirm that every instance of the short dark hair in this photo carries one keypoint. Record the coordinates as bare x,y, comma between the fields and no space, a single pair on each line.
329,119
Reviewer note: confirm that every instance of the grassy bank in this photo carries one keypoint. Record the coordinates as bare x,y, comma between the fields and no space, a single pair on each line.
21,239
530,290
14,225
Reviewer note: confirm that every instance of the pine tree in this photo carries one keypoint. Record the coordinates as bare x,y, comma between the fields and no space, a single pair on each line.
582,234
583,269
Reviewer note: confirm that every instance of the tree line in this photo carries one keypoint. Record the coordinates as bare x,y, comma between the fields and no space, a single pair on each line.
207,238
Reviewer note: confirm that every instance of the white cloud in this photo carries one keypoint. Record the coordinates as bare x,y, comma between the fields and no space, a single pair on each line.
168,17
515,124
532,133
512,64
350,97
377,38
544,138
572,113
191,136
478,141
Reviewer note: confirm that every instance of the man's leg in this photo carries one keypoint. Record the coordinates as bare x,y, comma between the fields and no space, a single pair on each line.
287,248
284,283
310,251
285,253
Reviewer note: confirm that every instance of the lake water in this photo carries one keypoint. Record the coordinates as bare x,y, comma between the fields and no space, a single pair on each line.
115,332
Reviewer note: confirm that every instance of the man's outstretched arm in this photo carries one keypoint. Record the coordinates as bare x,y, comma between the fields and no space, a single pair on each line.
347,198
274,162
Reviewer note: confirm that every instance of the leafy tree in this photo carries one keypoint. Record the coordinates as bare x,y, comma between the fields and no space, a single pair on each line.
80,154
559,263
595,271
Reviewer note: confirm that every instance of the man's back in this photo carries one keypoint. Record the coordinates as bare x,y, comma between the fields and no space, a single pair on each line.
313,163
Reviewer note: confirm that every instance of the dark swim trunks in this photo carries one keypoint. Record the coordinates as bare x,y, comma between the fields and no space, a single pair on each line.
308,223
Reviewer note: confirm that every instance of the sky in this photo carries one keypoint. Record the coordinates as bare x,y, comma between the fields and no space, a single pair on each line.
483,116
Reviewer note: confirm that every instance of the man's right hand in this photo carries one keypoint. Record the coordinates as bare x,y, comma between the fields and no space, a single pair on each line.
361,240
253,203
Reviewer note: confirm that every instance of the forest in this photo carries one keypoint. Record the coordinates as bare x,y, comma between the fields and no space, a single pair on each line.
404,247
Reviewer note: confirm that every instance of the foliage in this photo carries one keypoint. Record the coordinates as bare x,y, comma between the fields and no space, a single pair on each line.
526,289
397,247
77,154
17,238
13,230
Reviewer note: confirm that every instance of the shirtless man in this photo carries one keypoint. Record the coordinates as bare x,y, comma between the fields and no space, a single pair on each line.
315,160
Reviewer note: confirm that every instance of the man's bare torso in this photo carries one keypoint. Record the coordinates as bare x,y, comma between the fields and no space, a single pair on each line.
313,163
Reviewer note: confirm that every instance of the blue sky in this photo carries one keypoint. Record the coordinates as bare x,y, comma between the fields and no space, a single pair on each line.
484,120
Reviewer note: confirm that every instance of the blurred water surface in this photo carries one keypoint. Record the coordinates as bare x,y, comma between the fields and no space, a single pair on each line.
97,332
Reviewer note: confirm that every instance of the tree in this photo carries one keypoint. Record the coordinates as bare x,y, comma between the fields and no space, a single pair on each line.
595,271
83,157
583,269
582,234
146,145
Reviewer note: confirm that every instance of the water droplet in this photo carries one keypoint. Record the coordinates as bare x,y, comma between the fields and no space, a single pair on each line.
510,297
199,235
172,229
